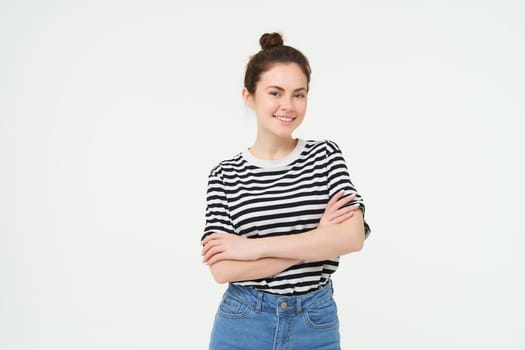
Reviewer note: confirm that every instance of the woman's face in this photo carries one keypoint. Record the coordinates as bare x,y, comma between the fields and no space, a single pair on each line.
280,99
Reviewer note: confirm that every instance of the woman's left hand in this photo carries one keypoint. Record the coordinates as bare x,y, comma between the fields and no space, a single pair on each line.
221,246
336,212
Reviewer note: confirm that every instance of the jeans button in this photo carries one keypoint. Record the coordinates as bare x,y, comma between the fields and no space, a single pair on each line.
284,305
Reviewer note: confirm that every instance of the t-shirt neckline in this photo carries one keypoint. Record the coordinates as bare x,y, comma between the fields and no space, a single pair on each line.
275,163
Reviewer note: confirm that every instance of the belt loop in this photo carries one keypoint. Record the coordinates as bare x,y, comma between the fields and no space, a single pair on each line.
299,305
258,306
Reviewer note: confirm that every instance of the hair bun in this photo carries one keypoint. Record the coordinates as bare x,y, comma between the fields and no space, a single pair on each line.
269,40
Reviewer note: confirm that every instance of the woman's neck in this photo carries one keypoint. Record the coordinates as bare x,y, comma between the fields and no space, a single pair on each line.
272,148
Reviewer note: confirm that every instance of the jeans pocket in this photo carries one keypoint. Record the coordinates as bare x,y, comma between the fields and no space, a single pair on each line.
231,308
324,316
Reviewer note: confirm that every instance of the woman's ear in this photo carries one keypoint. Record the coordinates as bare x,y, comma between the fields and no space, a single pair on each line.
247,97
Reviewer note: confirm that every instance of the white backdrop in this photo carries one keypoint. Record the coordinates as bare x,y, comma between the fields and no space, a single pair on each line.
113,112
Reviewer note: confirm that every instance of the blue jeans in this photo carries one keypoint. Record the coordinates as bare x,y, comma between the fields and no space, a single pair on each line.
251,320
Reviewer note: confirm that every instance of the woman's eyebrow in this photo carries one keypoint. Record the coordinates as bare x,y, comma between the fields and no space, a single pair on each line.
280,88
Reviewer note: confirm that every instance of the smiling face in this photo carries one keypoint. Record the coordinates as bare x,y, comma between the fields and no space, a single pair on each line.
279,100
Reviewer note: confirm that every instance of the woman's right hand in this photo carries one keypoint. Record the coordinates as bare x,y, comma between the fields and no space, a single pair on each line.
335,213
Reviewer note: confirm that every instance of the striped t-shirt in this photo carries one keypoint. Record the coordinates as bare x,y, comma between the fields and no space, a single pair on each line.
256,198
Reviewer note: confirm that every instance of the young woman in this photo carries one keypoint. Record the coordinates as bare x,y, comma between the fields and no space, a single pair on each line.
278,216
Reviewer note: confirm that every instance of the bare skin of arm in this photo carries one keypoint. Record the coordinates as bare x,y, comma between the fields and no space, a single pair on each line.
236,270
318,244
229,260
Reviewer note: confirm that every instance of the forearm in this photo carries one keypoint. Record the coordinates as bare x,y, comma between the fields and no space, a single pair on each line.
318,244
235,270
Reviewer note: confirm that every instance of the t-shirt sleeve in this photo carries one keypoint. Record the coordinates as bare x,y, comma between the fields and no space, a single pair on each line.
217,212
339,178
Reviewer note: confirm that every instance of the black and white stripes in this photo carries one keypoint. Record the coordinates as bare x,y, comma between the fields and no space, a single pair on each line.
259,198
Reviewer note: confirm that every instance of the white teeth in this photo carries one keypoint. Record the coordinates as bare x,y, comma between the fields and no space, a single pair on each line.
284,119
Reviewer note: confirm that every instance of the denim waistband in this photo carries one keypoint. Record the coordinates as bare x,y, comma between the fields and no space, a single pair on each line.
267,302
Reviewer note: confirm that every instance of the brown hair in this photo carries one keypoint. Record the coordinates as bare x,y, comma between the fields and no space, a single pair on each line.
273,51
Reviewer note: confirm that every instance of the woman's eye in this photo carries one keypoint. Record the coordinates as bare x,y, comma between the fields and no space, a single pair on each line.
274,93
300,95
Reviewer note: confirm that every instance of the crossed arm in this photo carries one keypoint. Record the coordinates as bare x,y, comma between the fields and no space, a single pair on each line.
235,258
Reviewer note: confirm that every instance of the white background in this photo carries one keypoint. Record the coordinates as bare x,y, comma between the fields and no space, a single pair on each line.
113,112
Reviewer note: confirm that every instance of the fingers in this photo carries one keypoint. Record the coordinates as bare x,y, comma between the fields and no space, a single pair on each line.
211,250
343,217
214,259
335,198
343,201
342,214
210,245
221,245
212,240
213,254
336,209
352,207
215,247
211,237
336,202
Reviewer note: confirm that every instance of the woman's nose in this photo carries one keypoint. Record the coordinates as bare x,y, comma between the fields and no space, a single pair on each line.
286,103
